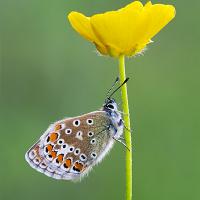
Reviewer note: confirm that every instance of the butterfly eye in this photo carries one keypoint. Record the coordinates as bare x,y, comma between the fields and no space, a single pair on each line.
110,106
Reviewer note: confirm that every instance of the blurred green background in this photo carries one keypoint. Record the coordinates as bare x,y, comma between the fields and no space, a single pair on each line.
48,72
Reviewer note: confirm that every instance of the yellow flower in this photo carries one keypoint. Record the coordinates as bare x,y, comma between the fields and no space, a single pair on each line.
126,31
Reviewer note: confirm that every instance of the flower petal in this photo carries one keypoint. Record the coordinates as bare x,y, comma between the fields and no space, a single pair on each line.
117,26
152,19
82,25
125,31
159,16
136,5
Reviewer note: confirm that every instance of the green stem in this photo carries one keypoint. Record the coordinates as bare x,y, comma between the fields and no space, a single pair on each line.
127,133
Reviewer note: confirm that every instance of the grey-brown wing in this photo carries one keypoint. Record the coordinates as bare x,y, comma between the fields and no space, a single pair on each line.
70,147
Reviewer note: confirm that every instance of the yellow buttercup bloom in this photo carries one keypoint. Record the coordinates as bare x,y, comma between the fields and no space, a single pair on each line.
126,31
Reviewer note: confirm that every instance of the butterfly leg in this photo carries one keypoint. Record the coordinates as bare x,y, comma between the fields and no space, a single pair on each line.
121,142
129,130
122,138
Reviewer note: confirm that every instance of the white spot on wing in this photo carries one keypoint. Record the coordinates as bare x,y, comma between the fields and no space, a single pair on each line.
42,165
71,149
93,155
32,154
83,157
90,121
68,131
79,135
77,151
90,134
93,141
37,161
60,141
50,169
76,122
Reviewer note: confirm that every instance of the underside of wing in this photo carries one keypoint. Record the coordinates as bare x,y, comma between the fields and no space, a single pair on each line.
70,147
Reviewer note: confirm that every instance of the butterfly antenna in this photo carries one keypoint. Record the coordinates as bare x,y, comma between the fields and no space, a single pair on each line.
118,88
117,79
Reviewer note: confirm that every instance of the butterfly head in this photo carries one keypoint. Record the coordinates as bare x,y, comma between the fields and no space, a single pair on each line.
110,105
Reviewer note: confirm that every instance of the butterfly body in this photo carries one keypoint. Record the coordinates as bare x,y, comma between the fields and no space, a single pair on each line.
69,148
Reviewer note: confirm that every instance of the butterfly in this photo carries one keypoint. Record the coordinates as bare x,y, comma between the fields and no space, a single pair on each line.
69,148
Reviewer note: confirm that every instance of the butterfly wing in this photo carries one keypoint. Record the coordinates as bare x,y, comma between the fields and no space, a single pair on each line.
70,147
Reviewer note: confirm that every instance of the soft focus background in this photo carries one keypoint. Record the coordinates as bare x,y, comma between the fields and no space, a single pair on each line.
47,72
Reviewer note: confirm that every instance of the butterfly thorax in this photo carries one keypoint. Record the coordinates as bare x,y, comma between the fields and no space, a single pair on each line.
116,126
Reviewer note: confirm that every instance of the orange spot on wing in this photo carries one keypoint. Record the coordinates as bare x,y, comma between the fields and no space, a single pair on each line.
53,137
49,147
58,127
78,166
53,154
68,163
60,157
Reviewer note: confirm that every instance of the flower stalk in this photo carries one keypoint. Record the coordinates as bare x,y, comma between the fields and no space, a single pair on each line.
125,107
